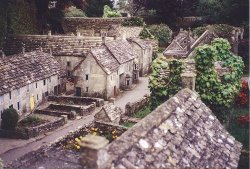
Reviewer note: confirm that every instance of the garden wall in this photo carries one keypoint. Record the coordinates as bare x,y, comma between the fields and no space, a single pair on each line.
76,100
134,107
54,113
28,132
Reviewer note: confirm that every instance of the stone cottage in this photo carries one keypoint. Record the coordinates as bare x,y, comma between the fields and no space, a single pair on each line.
183,44
144,51
109,113
181,133
26,79
105,70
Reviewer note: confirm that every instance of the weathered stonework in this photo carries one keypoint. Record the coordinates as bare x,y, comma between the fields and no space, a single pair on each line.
134,107
181,133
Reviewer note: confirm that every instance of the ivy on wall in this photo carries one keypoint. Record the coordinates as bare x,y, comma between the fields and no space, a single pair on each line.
165,80
218,92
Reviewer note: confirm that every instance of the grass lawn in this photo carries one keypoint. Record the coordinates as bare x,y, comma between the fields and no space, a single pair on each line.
241,133
142,113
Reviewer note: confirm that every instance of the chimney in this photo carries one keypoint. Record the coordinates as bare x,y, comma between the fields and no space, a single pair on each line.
50,50
78,33
94,155
189,39
103,37
49,33
2,54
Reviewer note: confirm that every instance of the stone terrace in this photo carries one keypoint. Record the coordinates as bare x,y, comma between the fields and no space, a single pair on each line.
181,133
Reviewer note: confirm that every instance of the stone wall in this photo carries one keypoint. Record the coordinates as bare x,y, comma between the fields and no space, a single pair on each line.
76,100
134,107
58,45
90,26
54,113
29,132
130,32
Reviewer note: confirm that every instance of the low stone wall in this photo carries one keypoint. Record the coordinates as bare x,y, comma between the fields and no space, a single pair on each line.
132,108
81,110
76,100
53,113
130,32
29,132
109,126
71,24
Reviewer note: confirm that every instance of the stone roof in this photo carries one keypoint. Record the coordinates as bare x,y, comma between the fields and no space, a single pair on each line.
113,112
121,50
179,45
181,133
142,43
20,70
105,59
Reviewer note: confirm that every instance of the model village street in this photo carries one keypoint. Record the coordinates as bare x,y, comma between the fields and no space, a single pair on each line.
11,149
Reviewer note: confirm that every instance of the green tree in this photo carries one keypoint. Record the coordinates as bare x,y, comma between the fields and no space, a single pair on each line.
94,8
9,119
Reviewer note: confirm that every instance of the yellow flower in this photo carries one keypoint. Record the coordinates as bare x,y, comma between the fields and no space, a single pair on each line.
78,147
77,140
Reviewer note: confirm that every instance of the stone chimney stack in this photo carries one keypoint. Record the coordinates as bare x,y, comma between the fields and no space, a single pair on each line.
2,54
49,33
104,37
78,33
94,155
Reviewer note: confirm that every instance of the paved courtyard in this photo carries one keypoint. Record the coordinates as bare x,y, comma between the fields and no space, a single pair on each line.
11,149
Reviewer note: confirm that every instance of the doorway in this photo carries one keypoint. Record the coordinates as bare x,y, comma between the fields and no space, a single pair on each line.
78,91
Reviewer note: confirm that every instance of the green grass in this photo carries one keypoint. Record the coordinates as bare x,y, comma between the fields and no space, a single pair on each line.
142,113
128,124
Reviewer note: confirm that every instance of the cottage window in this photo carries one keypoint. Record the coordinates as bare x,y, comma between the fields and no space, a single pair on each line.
87,77
87,89
10,95
68,63
44,82
11,106
37,97
28,88
36,85
111,77
127,82
18,105
68,73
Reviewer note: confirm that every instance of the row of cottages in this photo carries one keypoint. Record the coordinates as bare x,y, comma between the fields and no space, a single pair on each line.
26,79
106,69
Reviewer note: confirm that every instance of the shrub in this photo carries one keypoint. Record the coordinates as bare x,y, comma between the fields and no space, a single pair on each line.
199,31
9,119
74,12
134,21
109,13
165,80
31,120
161,32
145,34
218,93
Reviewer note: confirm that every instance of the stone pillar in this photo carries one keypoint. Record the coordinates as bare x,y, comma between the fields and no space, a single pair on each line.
94,155
188,80
78,33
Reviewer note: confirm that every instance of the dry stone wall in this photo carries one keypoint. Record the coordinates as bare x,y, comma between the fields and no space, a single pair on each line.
132,108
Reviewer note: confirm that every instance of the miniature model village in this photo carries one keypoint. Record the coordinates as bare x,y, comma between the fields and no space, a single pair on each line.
101,95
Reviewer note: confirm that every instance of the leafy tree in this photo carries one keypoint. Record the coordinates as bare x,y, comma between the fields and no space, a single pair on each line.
109,13
94,8
165,80
9,119
74,12
161,32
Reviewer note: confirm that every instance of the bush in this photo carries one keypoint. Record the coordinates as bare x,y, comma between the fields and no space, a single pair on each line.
145,34
199,31
218,93
74,12
134,21
165,80
9,119
31,121
161,32
109,13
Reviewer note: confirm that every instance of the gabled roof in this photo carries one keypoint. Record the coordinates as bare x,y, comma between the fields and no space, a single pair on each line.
181,133
142,43
179,45
121,50
20,70
105,59
113,112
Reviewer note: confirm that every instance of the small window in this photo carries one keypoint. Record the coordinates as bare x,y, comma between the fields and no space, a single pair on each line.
117,72
127,82
111,77
44,82
28,88
87,89
87,77
18,105
37,97
10,95
11,106
68,63
36,85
